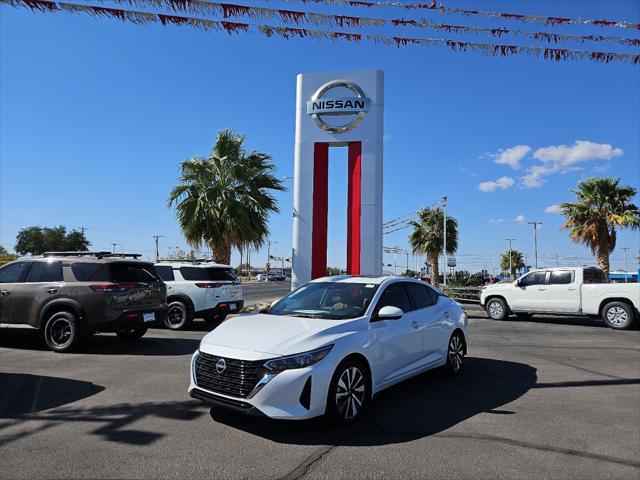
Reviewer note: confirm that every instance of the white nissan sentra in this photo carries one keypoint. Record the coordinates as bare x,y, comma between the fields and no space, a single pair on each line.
329,347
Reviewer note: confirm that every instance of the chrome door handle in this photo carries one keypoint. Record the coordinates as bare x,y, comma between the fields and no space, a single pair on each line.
52,290
5,292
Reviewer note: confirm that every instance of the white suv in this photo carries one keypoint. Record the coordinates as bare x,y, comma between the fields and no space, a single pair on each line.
199,289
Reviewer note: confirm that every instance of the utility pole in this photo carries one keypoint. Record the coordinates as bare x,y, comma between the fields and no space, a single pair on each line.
510,264
114,247
269,258
535,238
444,243
626,279
156,237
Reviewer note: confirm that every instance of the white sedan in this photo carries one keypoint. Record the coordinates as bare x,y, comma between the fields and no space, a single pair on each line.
329,347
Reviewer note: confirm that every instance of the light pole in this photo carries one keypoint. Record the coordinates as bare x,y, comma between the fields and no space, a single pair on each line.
510,264
626,280
156,237
444,243
535,238
269,257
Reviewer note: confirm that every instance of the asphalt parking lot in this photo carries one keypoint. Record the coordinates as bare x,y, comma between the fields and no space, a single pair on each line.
548,398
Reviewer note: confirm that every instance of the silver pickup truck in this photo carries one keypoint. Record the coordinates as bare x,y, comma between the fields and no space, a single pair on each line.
578,291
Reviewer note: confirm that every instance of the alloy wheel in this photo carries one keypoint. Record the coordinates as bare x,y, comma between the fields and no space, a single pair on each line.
350,392
60,332
617,316
176,316
455,353
495,310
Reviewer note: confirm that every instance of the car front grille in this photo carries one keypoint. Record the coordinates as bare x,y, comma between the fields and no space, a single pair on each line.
238,379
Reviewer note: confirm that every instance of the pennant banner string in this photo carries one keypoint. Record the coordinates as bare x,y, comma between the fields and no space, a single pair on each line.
142,18
433,5
291,17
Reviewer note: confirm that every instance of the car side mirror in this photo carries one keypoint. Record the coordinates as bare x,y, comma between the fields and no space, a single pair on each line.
390,313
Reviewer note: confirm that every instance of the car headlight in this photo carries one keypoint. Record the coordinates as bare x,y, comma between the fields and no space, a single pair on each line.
299,360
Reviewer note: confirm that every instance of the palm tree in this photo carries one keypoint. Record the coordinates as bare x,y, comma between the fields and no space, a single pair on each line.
224,201
602,206
517,261
427,236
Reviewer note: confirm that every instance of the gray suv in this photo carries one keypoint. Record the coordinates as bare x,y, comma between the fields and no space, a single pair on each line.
71,295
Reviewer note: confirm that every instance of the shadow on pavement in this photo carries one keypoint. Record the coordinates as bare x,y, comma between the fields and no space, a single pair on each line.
424,405
573,320
24,393
104,344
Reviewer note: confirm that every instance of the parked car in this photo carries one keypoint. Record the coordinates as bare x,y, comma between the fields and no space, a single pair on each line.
582,291
271,277
199,289
70,295
329,347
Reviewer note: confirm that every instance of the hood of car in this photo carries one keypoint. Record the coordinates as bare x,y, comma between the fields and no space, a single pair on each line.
263,336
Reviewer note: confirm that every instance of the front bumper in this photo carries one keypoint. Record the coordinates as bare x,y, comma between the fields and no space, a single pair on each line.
281,397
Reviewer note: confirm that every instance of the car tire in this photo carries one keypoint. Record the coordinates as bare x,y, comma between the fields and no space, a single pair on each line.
349,392
523,315
132,334
178,316
62,332
455,354
618,315
497,309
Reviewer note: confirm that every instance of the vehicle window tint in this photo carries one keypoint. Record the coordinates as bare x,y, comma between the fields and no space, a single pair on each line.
594,275
533,278
133,272
13,273
165,272
45,272
90,272
210,273
561,278
420,295
395,296
435,294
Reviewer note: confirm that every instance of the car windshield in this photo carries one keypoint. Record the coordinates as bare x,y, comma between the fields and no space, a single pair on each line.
330,300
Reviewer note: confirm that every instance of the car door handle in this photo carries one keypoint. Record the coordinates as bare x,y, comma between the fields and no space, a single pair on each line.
571,289
415,325
52,290
5,292
541,289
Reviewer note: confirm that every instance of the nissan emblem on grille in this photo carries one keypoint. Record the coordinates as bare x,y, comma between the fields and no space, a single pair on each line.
221,365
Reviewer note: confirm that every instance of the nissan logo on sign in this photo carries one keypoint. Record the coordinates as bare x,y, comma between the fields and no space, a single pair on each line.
354,108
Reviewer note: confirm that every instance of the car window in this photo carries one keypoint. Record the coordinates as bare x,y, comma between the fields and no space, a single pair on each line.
166,272
90,272
394,296
533,278
45,272
208,274
561,277
594,275
133,272
420,296
13,273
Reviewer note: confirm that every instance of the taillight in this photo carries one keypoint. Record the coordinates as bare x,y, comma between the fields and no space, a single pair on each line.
112,287
208,285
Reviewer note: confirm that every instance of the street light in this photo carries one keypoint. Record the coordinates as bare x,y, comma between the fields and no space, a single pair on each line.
510,265
626,280
535,238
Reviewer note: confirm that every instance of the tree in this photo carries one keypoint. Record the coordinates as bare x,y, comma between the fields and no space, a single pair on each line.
602,206
517,261
224,200
37,240
5,256
428,237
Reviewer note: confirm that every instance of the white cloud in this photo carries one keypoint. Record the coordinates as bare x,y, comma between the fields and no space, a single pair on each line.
511,156
520,219
497,221
501,183
564,159
555,208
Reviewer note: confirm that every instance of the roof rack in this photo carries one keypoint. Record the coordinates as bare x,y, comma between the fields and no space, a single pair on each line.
91,254
186,260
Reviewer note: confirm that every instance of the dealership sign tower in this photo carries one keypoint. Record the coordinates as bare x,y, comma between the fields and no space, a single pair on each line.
338,110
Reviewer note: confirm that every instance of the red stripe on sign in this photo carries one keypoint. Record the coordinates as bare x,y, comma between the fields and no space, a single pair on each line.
353,208
320,207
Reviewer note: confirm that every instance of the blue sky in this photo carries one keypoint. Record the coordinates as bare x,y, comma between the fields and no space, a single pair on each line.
95,116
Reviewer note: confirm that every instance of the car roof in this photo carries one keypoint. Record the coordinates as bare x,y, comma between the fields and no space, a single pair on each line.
368,279
179,264
80,258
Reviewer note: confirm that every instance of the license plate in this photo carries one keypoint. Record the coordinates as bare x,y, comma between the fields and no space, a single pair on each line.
149,317
232,306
